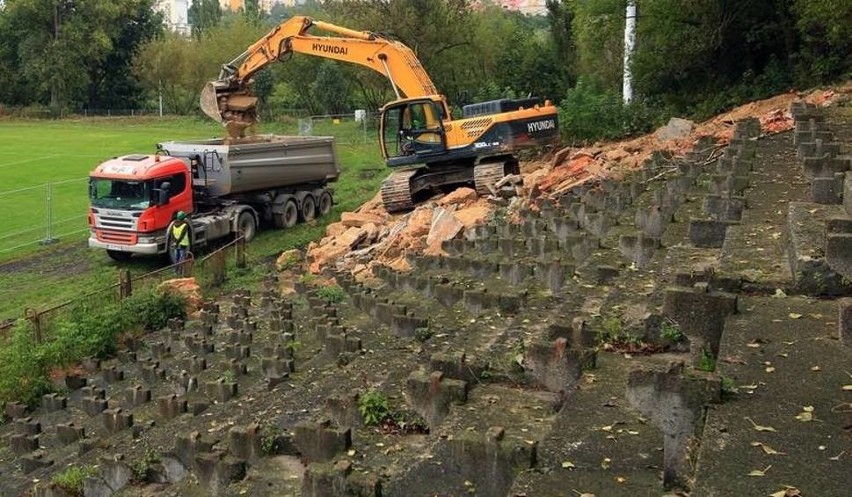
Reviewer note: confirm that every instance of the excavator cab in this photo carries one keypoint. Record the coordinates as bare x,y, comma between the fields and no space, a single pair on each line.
411,129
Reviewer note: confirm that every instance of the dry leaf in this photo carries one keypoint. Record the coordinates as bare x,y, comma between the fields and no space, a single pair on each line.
794,315
837,457
620,479
770,369
759,427
847,388
758,472
816,368
606,463
787,492
568,465
767,449
582,494
805,416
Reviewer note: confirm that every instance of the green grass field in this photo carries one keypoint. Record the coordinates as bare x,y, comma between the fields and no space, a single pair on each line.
35,153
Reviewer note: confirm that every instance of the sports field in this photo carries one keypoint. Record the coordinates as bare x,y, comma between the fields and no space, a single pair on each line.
35,153
44,165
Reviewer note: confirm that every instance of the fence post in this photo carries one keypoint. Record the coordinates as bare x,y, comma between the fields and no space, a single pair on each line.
48,235
125,284
241,252
34,317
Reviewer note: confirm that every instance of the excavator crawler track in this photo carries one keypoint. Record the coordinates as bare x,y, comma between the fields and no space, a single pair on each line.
486,175
396,191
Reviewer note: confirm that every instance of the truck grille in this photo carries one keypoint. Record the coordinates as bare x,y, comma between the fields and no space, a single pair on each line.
116,220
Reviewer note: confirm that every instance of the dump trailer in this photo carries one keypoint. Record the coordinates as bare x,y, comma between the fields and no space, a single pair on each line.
224,186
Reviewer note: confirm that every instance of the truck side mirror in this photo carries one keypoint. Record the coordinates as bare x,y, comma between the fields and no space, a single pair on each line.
160,196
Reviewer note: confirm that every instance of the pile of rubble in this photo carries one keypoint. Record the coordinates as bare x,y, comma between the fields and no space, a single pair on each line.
370,236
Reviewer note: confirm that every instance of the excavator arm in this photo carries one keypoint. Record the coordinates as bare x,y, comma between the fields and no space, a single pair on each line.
229,99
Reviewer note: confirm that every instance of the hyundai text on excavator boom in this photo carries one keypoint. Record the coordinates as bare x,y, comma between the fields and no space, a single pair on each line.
417,132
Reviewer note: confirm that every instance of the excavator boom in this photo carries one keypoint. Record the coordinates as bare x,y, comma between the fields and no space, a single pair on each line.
229,100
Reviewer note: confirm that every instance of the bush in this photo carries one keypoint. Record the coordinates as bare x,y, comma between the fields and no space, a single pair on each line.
588,114
71,479
331,293
373,407
153,310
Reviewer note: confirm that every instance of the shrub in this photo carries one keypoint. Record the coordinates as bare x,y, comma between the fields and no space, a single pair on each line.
671,332
373,407
71,478
588,114
152,310
331,293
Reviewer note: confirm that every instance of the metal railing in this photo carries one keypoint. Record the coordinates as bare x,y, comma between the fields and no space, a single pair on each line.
210,272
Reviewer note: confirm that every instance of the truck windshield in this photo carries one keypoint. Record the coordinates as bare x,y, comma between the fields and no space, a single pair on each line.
119,194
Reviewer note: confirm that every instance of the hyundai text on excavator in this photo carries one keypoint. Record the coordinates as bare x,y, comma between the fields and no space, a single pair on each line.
416,132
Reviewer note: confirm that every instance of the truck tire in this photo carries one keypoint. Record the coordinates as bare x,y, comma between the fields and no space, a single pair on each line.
247,225
288,217
309,208
119,256
324,203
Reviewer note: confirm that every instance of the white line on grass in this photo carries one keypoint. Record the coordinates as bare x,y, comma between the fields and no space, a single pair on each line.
29,160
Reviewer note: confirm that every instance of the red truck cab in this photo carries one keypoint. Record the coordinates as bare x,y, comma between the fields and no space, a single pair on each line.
133,199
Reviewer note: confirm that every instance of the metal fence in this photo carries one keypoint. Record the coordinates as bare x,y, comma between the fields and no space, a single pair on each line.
210,272
43,214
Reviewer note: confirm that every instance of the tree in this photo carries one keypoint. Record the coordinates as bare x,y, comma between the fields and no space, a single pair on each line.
111,80
204,15
54,46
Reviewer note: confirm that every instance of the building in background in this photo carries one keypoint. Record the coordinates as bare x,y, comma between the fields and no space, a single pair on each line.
265,5
526,7
175,15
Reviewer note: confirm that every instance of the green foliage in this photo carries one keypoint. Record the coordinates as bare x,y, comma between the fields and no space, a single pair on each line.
90,329
729,388
331,293
71,478
142,467
154,309
706,362
229,376
670,331
373,407
588,114
423,334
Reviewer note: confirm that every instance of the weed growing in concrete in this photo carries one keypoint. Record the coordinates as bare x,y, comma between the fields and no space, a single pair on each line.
422,334
729,389
373,407
270,441
331,293
670,331
142,467
229,376
71,479
707,362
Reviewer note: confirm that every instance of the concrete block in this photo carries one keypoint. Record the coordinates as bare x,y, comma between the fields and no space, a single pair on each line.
431,395
708,233
638,248
724,208
838,253
844,321
554,365
321,441
68,433
828,190
700,313
825,167
116,420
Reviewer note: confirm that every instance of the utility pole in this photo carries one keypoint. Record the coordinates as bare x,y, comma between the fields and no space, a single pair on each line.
629,46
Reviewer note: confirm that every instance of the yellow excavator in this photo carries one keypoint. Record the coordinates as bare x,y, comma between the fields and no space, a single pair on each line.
419,138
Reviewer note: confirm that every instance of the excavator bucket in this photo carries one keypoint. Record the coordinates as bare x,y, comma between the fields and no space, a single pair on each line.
210,101
232,106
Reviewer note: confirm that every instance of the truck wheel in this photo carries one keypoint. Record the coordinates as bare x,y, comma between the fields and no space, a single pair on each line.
309,208
247,225
288,217
325,202
119,256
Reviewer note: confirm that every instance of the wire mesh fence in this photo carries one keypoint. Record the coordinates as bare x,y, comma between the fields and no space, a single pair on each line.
42,214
